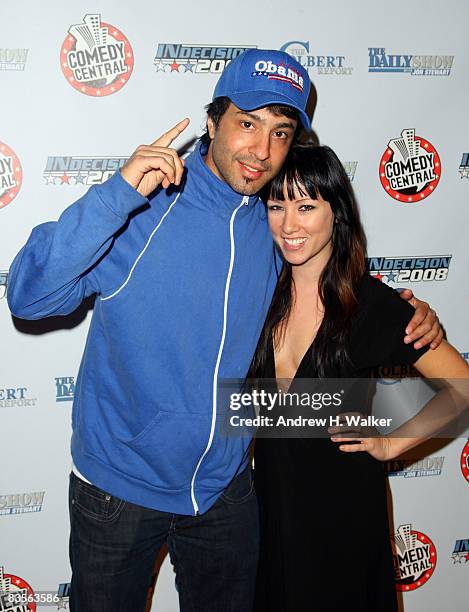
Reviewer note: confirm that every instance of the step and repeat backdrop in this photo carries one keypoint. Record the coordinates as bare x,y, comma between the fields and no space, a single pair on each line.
83,84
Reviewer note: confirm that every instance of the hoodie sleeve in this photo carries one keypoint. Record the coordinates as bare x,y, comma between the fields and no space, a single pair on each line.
53,272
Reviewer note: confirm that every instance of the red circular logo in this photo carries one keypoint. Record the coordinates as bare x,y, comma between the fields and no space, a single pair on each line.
96,58
414,558
16,593
410,168
465,461
11,174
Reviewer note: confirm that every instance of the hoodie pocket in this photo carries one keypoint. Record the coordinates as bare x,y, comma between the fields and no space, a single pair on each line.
169,448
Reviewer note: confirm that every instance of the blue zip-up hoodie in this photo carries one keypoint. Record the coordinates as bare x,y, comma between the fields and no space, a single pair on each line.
183,284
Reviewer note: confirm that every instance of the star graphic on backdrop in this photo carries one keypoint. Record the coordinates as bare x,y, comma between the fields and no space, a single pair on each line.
189,67
379,276
391,277
457,558
174,66
80,178
464,172
160,66
62,605
49,179
65,179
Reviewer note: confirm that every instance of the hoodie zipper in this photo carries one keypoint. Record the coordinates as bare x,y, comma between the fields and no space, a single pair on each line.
244,202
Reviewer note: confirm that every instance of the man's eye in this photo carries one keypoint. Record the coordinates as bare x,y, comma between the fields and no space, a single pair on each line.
246,124
280,134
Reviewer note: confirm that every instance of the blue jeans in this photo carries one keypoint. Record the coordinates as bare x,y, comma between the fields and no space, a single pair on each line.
114,545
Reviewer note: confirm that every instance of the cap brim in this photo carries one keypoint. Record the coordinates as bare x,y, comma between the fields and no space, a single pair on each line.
250,100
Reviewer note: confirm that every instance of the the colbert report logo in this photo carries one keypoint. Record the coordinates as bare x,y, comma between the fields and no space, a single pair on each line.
414,558
14,593
320,64
81,170
410,168
181,58
464,166
465,461
415,468
64,389
96,58
11,174
461,552
21,503
3,283
416,65
13,59
409,269
15,397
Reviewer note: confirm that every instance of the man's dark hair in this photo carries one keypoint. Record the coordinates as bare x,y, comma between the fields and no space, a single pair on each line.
217,108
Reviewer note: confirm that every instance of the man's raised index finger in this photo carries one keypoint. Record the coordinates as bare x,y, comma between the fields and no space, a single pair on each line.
167,138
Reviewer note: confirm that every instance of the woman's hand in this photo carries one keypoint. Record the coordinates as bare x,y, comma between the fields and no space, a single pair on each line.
379,448
357,438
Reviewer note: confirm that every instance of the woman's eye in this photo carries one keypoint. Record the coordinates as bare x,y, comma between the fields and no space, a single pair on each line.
274,207
306,207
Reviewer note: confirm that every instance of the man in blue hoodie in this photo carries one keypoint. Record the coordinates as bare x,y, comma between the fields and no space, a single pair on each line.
180,258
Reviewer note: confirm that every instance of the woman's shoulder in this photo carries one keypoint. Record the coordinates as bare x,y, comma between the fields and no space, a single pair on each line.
373,293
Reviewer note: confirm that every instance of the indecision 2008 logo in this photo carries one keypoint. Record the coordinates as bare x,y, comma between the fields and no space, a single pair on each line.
196,59
96,57
414,558
410,167
411,269
11,174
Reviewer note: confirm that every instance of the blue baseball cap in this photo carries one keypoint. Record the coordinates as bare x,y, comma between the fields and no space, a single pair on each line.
259,77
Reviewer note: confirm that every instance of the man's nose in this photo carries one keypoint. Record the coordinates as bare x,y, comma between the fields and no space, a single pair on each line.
261,145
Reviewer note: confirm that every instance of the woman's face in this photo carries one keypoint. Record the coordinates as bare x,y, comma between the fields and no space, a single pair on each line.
302,228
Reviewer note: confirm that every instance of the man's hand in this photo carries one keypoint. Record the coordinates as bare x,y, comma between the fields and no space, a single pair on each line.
424,325
155,164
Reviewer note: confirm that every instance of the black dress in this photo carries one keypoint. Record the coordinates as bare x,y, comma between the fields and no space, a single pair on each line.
325,539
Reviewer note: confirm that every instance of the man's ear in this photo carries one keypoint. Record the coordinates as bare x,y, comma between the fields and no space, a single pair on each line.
211,128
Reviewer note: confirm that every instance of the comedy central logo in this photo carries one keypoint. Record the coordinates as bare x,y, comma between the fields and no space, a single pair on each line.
196,59
409,269
465,461
414,558
96,58
11,174
16,595
410,168
415,65
319,64
60,170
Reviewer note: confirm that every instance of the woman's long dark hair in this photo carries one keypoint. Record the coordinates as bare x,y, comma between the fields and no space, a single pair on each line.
317,170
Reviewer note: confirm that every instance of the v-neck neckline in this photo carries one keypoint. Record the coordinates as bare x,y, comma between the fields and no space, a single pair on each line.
308,350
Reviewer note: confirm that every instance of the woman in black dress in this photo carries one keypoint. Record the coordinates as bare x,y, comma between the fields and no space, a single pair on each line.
325,541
